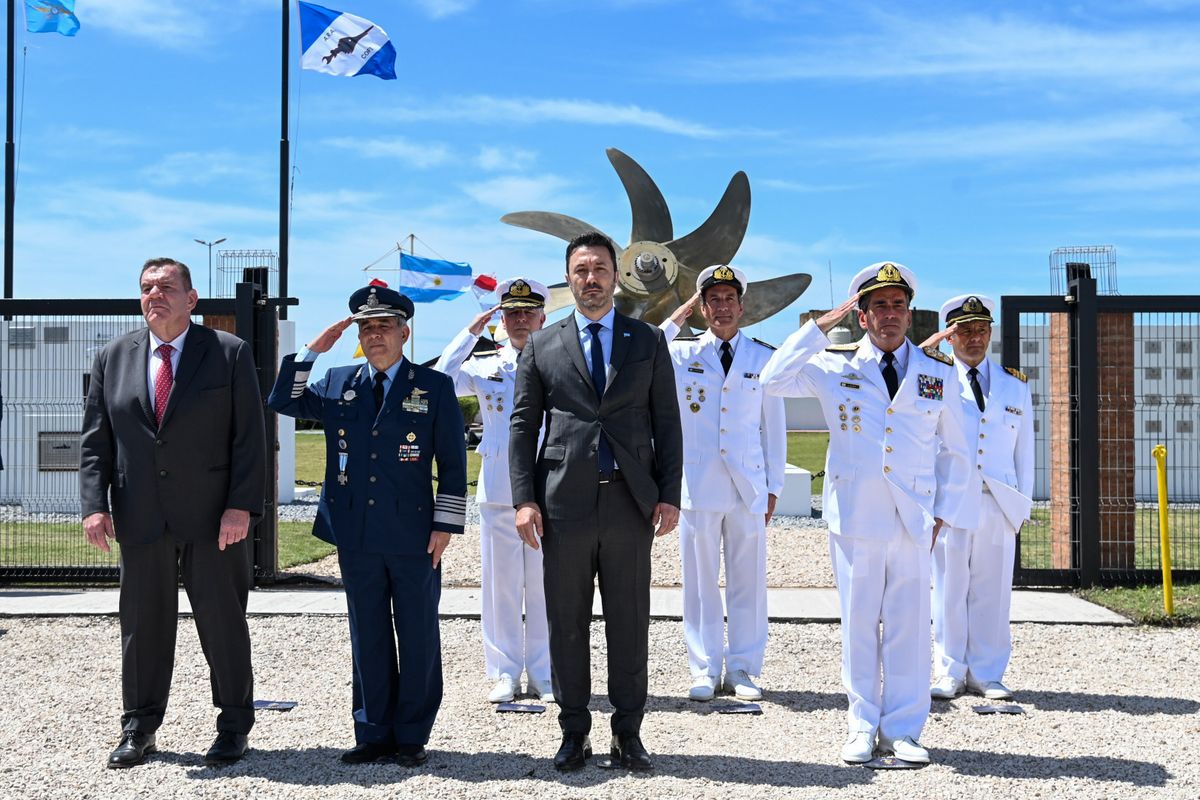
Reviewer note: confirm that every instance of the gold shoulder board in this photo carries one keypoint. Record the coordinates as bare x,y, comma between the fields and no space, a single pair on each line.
938,355
843,348
764,344
1016,373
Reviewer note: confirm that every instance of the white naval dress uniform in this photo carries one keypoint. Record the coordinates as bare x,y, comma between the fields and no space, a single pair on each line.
886,479
734,454
973,567
512,572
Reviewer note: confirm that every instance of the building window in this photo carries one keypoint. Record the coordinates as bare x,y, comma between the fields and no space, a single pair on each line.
1031,346
1032,373
1151,347
1152,400
997,348
1153,373
1153,426
1184,400
56,334
22,337
1035,398
1183,373
58,451
1183,426
1183,346
1037,425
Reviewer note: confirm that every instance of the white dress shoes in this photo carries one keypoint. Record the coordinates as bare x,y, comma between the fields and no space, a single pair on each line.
991,690
542,690
738,683
906,748
703,688
946,688
859,748
504,691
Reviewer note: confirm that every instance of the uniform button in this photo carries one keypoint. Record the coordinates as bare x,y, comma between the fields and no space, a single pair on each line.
374,433
723,430
841,408
891,411
162,473
158,442
980,452
979,466
373,477
374,455
887,430
981,436
888,449
723,410
724,388
842,417
843,426
371,502
886,468
722,451
983,419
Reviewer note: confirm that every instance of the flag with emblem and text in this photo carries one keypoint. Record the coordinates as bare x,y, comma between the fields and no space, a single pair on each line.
342,44
51,16
428,279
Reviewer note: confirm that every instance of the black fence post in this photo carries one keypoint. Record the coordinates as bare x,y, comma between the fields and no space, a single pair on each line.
1085,420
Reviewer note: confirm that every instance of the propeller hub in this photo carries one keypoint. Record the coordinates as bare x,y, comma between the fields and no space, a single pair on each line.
647,268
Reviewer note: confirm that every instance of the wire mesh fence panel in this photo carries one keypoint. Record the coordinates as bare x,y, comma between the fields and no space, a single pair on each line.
44,377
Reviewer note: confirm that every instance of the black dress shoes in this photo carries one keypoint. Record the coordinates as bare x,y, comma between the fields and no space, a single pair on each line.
631,753
132,749
410,755
368,752
227,748
574,752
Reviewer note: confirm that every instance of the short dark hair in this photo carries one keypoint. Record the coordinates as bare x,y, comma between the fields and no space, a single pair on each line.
156,263
591,239
866,298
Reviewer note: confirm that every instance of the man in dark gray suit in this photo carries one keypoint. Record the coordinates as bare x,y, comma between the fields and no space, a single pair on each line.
174,468
609,470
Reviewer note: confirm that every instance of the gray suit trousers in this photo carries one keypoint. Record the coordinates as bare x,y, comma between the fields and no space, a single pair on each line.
614,542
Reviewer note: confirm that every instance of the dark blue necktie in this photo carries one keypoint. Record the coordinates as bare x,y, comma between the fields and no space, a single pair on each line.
604,453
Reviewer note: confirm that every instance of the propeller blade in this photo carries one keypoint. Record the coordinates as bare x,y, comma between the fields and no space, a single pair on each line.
764,298
717,240
560,297
651,217
560,225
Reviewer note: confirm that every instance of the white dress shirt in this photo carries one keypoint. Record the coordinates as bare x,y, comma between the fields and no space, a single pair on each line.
155,361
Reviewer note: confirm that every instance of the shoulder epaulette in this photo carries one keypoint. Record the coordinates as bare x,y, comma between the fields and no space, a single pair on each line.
492,354
938,355
685,339
843,348
764,344
1016,373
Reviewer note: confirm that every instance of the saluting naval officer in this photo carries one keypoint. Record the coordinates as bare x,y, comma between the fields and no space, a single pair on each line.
889,488
386,422
734,455
973,568
511,571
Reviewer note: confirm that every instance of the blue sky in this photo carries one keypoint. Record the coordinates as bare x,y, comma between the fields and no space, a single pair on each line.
965,140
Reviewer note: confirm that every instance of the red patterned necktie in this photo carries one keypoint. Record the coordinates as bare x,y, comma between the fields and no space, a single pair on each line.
162,382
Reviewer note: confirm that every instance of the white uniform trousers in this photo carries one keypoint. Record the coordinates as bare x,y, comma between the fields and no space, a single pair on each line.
972,596
701,534
884,581
512,578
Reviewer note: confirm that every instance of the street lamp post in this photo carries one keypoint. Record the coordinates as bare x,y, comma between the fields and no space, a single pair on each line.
209,245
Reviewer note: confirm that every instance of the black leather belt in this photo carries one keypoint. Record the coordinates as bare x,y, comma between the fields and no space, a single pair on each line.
611,477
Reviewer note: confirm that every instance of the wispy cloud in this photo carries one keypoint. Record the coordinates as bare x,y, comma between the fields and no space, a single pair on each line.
395,148
199,168
1135,181
439,9
519,192
998,48
800,187
170,26
1020,139
504,159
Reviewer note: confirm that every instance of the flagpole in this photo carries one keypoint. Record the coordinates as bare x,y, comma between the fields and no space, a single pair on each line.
283,144
412,335
10,167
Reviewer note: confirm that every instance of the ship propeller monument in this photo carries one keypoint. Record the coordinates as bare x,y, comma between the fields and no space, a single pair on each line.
656,272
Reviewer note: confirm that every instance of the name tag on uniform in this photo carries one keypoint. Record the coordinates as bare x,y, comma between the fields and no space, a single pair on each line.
850,385
1013,410
751,375
497,378
929,387
415,403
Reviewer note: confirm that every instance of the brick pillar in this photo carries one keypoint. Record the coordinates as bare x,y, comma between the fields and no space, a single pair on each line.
1118,514
1058,397
221,322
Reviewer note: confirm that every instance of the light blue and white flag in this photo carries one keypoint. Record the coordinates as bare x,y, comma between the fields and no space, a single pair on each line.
51,16
343,44
426,279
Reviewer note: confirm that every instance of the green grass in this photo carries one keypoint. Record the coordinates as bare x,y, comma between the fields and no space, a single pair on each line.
1183,524
297,545
807,451
1144,604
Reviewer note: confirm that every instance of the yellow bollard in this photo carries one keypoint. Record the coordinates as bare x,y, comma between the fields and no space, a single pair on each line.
1164,536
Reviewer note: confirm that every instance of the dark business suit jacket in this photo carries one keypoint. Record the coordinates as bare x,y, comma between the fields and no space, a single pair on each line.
209,455
638,413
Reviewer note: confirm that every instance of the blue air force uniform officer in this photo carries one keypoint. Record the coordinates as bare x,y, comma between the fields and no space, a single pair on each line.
386,422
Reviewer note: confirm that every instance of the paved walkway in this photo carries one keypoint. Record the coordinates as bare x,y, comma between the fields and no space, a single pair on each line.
790,605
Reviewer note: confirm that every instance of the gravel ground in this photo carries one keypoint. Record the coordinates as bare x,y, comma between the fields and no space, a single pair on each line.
797,553
1103,721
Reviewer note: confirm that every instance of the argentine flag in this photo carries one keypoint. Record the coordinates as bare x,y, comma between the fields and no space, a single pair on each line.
426,279
343,44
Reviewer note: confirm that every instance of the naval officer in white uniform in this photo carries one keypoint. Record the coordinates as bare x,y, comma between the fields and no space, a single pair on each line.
896,471
512,572
734,454
973,568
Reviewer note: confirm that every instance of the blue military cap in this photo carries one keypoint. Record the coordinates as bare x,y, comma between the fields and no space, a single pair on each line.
377,300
